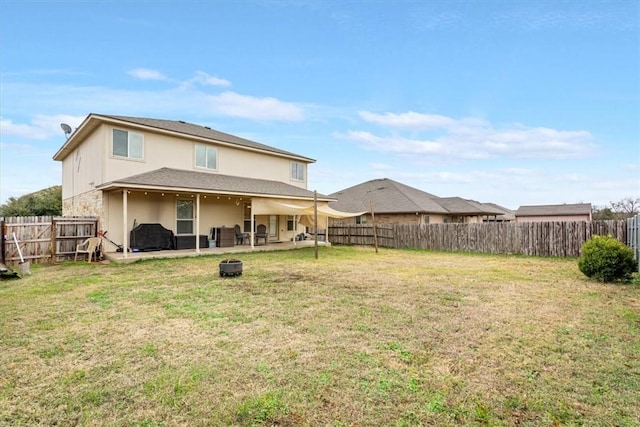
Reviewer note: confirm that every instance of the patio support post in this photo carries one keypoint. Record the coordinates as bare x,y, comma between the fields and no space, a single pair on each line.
252,233
326,230
315,221
125,221
198,223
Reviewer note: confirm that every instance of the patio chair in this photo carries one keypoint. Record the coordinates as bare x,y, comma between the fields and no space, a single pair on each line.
241,238
261,233
89,247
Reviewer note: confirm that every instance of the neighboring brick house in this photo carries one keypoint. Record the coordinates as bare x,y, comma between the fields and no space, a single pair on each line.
543,213
186,177
394,202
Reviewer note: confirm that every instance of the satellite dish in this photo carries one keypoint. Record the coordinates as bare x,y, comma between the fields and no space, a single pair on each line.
66,129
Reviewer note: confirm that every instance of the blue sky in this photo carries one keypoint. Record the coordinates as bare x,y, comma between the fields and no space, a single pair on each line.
511,102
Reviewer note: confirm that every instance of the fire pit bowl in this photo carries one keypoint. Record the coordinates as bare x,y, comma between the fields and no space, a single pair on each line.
230,267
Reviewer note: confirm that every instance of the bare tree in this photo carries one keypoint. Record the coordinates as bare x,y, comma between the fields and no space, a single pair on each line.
626,208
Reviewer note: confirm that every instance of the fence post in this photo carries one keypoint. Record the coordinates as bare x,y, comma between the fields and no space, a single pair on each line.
54,233
3,229
633,237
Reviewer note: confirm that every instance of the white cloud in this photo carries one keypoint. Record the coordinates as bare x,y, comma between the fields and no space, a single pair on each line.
147,74
469,138
409,120
395,144
209,80
380,166
250,107
201,103
41,127
200,77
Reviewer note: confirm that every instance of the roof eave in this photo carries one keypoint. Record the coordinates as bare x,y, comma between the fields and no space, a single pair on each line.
88,126
111,186
182,135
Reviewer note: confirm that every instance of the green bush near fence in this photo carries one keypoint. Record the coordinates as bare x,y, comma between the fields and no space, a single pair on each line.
606,259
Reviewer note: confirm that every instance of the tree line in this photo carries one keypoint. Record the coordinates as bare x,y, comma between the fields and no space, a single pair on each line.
47,202
623,209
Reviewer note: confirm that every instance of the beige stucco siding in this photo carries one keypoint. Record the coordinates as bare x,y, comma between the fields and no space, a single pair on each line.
82,171
166,151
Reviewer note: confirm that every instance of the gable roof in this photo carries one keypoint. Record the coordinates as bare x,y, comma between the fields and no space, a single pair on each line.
507,214
168,179
554,210
175,127
460,206
388,196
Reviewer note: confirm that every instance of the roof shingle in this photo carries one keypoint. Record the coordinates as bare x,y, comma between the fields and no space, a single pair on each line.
390,196
167,178
546,210
186,128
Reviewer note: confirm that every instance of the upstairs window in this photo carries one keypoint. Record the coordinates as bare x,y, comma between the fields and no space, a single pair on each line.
297,171
127,144
206,157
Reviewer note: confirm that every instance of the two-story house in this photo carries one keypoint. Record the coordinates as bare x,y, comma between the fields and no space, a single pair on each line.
186,177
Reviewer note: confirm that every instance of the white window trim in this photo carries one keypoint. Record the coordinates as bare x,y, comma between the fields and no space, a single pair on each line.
301,166
128,156
291,222
195,156
192,220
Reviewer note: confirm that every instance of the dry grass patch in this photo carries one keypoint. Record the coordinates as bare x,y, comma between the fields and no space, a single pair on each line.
402,338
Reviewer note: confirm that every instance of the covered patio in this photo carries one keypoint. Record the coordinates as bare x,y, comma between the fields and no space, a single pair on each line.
191,205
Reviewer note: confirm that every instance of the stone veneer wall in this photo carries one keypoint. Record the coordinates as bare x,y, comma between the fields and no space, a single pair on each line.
85,204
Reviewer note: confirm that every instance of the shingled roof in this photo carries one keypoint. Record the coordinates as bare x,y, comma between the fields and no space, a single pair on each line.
460,206
170,126
507,214
169,179
554,210
388,196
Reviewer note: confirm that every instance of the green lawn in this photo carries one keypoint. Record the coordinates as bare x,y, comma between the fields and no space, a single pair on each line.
398,338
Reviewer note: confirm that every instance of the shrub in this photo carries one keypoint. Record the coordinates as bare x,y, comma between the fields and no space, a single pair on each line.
606,259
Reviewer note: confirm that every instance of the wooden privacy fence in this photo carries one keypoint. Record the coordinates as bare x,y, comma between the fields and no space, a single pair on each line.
44,238
559,239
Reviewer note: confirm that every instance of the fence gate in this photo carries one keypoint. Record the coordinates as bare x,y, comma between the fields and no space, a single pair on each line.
44,238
